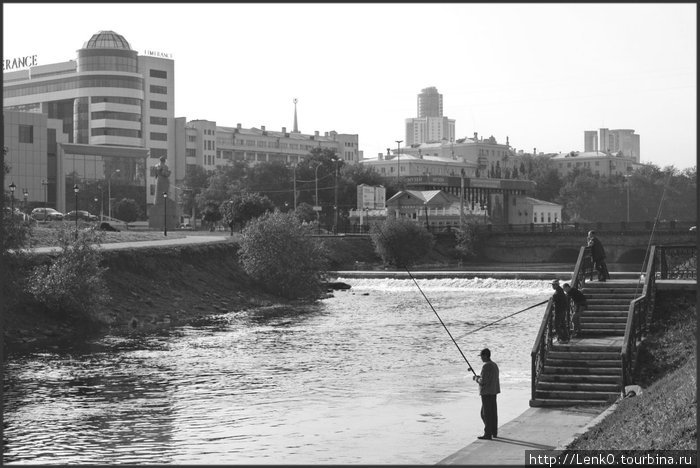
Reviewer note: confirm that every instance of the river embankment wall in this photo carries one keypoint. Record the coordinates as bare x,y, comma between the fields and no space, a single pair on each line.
149,287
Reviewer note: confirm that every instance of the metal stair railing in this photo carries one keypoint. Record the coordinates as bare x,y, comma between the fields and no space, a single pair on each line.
543,341
638,320
665,262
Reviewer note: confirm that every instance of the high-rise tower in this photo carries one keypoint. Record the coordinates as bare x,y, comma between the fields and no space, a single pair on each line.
429,103
430,126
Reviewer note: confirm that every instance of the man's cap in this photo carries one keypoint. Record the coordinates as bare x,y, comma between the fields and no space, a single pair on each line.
566,285
555,281
485,352
591,233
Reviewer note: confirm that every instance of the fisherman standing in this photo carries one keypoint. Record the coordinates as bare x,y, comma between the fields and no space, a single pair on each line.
580,304
561,306
598,254
489,387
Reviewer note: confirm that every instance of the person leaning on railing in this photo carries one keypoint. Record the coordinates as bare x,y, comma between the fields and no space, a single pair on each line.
580,305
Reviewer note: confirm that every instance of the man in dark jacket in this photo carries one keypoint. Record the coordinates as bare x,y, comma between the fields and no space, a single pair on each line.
561,307
580,305
489,387
598,254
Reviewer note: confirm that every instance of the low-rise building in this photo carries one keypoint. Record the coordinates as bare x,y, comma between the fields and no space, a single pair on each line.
599,163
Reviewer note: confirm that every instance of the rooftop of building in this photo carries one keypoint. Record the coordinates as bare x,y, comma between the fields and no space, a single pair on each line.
535,201
588,154
107,40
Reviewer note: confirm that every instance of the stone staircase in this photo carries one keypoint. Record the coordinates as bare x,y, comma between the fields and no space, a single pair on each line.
588,369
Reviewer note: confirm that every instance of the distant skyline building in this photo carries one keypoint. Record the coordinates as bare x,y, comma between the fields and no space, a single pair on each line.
430,103
431,125
613,141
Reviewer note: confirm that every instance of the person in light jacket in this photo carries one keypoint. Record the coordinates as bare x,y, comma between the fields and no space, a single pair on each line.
489,387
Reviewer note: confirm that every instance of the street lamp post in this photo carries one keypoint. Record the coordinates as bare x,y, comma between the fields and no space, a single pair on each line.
318,214
335,222
45,183
76,189
97,200
398,161
109,192
26,195
165,216
461,199
295,187
627,179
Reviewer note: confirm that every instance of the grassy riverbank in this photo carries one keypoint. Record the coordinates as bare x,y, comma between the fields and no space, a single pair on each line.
664,416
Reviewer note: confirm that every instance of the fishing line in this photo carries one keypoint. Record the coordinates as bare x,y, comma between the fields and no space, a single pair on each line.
381,232
443,323
496,321
653,230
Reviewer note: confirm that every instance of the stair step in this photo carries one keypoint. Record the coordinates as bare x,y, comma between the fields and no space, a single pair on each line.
578,395
577,347
582,355
590,326
603,319
598,332
581,371
565,387
577,363
540,402
560,374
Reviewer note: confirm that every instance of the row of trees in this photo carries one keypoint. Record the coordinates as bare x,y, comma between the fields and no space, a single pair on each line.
585,197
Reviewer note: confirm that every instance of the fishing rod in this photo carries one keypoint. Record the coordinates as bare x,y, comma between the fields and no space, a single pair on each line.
496,321
438,316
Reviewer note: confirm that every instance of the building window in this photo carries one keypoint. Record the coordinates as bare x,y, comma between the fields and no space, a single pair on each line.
113,115
158,89
159,105
159,121
159,136
191,153
119,132
159,73
192,138
156,153
26,134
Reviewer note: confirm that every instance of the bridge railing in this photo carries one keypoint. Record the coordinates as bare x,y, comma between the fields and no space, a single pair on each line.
677,262
582,228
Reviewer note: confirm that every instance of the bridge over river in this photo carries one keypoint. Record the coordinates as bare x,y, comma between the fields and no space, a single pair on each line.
622,245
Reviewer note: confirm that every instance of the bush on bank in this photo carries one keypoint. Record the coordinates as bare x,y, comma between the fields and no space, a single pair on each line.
73,283
401,242
277,250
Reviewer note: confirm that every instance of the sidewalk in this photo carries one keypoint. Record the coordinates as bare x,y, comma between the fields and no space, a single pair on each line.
536,429
190,239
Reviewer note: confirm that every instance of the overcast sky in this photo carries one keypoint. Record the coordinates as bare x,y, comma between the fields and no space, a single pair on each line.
539,74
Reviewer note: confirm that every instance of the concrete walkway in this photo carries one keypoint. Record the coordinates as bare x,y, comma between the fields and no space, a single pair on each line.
544,429
149,243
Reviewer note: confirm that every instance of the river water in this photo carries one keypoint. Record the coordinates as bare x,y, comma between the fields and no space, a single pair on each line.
368,376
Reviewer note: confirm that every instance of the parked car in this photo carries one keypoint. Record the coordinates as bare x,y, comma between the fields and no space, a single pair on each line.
82,215
46,214
113,224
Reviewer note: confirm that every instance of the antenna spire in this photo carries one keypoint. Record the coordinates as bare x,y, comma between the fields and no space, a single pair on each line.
296,127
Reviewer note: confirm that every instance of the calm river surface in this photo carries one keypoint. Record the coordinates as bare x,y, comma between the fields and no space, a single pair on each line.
368,376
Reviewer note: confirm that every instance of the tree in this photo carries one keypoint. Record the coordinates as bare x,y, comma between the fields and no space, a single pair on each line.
273,179
127,210
242,208
467,241
73,284
211,214
305,212
400,241
281,253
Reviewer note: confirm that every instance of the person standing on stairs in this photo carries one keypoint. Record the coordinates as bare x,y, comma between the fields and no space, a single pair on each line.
489,387
561,307
598,254
580,305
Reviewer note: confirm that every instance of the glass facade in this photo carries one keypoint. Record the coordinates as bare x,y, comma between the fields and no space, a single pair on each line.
74,82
